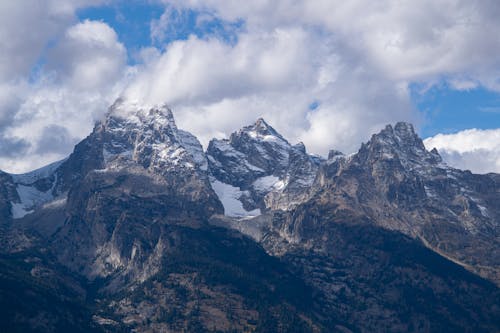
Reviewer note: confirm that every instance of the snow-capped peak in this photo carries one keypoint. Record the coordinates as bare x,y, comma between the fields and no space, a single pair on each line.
149,136
262,131
261,164
138,113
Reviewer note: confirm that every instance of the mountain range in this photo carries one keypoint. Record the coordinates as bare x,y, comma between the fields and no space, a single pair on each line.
141,229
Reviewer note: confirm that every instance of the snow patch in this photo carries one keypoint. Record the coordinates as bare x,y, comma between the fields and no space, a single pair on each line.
252,167
429,192
229,196
387,156
56,203
266,137
18,210
30,198
483,210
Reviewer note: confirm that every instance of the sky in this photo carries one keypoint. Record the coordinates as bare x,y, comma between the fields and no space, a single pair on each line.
325,72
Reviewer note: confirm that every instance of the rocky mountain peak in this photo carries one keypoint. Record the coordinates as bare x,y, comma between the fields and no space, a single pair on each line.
333,153
128,219
122,111
261,169
130,136
148,135
400,143
262,127
260,131
404,128
300,147
402,134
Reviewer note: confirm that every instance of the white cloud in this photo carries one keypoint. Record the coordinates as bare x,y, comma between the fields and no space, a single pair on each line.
26,28
474,149
203,71
215,87
44,113
89,56
354,59
408,40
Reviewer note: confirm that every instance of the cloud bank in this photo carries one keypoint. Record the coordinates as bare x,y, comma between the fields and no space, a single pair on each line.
328,73
56,78
474,149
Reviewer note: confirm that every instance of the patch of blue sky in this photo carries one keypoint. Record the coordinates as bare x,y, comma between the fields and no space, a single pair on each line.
133,22
314,105
447,110
130,19
181,24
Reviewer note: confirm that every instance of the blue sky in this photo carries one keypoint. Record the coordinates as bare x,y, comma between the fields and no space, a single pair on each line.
328,73
132,22
448,110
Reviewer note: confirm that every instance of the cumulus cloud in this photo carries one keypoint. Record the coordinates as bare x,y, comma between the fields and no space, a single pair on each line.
474,149
215,87
408,40
89,56
329,73
58,91
353,60
26,28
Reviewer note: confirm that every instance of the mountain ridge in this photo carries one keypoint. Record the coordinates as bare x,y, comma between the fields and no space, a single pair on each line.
139,215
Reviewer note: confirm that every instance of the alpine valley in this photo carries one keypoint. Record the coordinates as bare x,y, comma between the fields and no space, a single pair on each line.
141,230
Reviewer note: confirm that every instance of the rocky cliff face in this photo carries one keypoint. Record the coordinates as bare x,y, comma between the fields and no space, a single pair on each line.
387,239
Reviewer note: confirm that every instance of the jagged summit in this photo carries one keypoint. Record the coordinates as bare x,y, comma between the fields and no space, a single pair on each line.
333,153
149,136
402,134
402,143
261,168
257,149
260,131
300,147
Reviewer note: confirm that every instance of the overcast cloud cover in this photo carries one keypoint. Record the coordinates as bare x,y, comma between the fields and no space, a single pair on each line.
329,73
